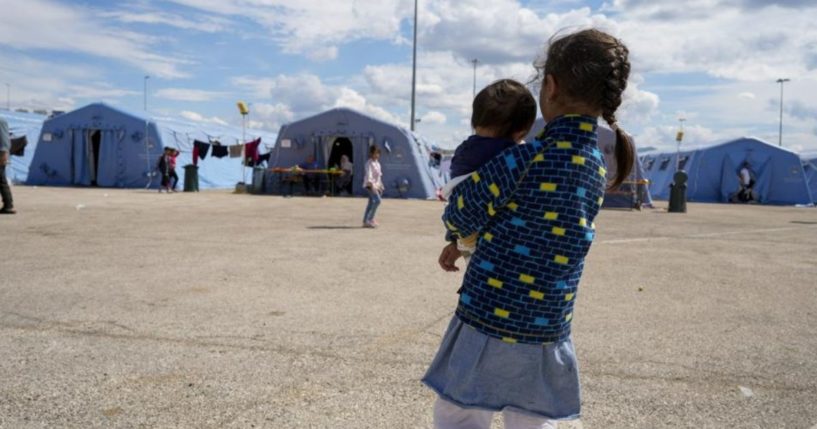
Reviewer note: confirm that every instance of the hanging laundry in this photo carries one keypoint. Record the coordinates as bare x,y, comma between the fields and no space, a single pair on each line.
219,151
195,155
264,158
235,150
18,146
202,147
251,152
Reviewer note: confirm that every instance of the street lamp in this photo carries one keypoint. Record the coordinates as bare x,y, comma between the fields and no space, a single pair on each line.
780,134
147,145
475,62
244,110
414,67
678,138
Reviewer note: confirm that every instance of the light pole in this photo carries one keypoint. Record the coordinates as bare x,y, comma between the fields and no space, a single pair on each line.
244,110
780,134
678,138
475,62
414,67
147,145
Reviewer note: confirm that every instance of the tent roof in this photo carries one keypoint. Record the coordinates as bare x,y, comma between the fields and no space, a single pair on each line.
345,111
693,148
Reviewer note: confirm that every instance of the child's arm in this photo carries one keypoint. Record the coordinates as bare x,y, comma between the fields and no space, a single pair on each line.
474,201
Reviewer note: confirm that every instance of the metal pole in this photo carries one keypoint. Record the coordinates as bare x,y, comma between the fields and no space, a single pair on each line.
414,67
475,62
244,149
678,139
147,145
780,133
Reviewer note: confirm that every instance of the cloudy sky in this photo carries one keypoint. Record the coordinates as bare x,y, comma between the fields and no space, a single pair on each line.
713,62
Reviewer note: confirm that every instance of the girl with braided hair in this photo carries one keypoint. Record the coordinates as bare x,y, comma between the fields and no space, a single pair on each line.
509,346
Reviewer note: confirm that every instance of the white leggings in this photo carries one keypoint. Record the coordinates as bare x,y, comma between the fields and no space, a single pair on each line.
450,416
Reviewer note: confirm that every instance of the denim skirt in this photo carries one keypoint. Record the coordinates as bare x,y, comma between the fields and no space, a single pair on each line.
474,370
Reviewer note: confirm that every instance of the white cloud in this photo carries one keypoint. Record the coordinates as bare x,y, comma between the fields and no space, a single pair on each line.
669,36
186,94
297,96
198,117
747,95
315,28
433,117
638,107
37,84
44,24
499,31
205,24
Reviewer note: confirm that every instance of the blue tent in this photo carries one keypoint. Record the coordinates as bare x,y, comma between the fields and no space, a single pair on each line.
810,169
622,197
714,172
102,145
28,125
408,169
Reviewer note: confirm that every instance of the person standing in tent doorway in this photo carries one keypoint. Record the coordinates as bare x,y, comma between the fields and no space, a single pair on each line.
5,150
373,183
747,183
344,181
509,346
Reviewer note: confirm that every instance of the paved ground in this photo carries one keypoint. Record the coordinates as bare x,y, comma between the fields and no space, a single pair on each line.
125,309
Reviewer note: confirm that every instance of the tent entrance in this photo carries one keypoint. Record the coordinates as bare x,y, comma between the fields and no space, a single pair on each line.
341,146
95,139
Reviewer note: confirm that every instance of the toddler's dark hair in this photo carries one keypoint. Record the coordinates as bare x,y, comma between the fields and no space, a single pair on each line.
592,67
505,106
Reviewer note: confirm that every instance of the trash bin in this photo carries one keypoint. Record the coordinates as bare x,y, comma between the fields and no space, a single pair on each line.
678,193
258,181
191,178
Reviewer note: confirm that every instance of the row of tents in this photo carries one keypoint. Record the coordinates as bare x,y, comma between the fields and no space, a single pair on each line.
778,176
100,145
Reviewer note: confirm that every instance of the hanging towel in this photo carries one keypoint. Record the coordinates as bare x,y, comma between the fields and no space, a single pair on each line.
202,147
220,151
251,152
235,150
264,158
195,155
18,146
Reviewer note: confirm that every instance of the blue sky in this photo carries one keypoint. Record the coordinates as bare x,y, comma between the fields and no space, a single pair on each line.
713,62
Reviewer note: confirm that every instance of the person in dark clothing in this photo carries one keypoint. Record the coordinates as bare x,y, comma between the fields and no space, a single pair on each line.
5,150
503,113
166,166
312,180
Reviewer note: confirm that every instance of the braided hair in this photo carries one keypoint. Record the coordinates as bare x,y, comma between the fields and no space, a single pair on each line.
592,67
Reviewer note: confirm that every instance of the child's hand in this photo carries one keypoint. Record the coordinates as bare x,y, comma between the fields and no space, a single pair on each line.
448,257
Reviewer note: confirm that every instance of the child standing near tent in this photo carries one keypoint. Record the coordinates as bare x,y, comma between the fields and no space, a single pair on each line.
509,347
373,183
502,114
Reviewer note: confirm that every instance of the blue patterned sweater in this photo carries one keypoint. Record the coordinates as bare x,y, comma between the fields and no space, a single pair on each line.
534,206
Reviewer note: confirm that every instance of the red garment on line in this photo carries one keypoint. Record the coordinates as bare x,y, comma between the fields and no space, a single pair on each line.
251,150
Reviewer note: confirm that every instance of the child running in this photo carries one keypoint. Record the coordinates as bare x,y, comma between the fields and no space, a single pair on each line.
509,346
502,114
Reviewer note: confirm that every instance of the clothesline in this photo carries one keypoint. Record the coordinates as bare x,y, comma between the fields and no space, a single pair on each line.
249,150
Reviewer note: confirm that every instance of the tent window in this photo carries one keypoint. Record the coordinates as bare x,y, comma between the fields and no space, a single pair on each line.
682,162
664,164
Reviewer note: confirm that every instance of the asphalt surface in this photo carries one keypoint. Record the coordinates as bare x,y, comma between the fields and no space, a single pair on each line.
130,309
